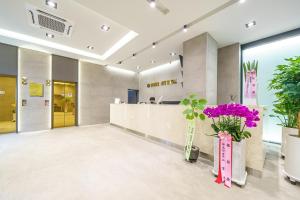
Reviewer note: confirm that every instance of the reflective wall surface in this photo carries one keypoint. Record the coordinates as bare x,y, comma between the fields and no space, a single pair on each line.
7,104
64,104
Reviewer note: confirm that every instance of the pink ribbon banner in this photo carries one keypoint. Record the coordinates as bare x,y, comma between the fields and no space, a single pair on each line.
250,84
225,159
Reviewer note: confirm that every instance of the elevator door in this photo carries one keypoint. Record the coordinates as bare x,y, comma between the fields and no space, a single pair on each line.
8,85
64,104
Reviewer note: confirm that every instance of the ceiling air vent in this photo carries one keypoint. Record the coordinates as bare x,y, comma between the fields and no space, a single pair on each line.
49,22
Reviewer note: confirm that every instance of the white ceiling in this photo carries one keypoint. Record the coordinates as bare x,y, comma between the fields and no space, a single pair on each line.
226,26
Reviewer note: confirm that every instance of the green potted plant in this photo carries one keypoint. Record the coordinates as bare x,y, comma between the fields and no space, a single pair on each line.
193,111
286,83
232,119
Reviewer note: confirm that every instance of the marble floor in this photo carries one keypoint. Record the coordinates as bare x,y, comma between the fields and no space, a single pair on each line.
105,162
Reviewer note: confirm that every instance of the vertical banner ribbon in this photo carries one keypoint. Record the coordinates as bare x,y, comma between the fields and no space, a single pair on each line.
225,159
250,84
189,138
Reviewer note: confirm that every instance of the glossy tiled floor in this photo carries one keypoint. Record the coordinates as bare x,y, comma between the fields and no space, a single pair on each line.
104,162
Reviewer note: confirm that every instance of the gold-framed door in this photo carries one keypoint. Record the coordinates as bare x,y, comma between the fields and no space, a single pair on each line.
64,106
8,104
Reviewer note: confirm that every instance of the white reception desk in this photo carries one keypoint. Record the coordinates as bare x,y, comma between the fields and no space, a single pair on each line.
166,122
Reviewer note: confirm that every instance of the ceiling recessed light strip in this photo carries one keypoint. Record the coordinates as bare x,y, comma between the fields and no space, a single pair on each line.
122,42
45,43
119,70
160,68
40,42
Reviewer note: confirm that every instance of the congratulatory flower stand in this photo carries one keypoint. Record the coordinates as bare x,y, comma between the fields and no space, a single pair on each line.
229,123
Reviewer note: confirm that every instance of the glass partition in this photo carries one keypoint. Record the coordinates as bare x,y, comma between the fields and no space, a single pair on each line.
268,56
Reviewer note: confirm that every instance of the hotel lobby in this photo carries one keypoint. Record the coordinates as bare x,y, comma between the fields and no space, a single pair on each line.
149,99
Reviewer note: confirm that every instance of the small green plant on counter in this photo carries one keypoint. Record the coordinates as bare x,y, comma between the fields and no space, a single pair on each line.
194,110
286,83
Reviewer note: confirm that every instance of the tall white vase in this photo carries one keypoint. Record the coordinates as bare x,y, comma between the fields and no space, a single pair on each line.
239,174
285,132
292,158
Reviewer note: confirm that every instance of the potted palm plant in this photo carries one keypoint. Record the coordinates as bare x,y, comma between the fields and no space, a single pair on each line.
193,111
232,120
286,83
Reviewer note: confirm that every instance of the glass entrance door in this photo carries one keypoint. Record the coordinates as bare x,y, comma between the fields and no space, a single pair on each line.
64,104
8,85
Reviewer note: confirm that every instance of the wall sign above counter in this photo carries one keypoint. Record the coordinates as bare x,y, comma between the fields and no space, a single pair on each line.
162,83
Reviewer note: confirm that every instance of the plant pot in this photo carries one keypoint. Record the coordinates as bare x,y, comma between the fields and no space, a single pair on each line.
194,154
239,174
285,132
292,158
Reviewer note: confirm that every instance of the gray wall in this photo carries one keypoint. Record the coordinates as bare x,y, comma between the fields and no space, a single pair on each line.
36,66
64,69
98,87
8,60
200,67
229,73
169,92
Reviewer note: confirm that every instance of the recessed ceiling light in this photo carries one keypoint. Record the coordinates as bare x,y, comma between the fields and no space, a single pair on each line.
138,67
153,45
172,54
250,24
185,28
152,3
105,28
242,1
120,62
153,61
90,47
134,56
49,35
51,4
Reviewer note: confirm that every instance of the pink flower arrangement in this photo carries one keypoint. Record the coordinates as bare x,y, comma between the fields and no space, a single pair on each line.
230,118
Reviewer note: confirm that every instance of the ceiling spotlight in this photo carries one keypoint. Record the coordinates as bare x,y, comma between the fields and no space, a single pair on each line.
152,3
90,47
51,4
134,56
105,28
120,62
153,45
185,28
138,67
49,35
250,24
152,61
242,1
172,54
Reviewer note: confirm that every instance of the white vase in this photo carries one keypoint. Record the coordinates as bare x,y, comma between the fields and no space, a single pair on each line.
285,132
239,174
292,158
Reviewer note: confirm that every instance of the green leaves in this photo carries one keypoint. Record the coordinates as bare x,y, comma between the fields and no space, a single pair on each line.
286,84
194,107
185,102
250,66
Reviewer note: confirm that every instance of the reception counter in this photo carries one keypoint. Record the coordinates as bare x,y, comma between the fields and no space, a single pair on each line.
167,123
